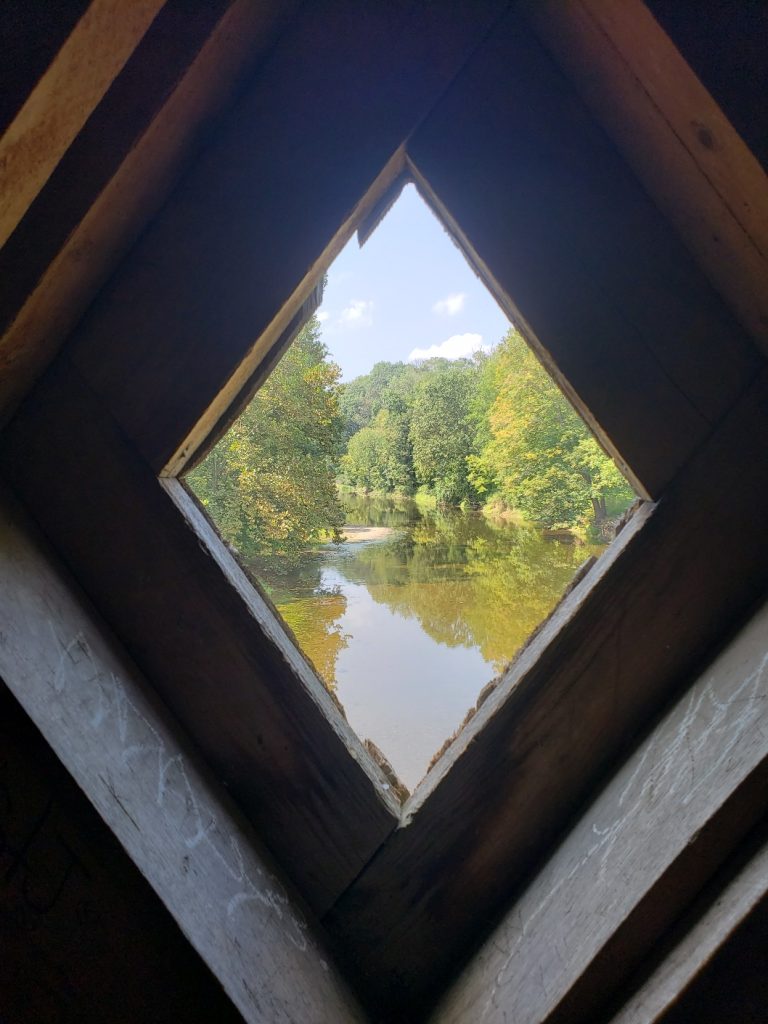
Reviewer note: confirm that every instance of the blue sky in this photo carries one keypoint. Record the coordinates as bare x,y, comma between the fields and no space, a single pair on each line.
407,294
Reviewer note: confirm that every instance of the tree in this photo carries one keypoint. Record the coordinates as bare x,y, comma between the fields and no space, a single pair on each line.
442,430
270,483
538,454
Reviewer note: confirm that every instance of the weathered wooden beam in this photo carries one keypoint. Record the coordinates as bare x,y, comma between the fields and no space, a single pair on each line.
118,172
674,136
248,233
211,645
684,966
84,936
635,858
63,99
635,628
144,778
576,251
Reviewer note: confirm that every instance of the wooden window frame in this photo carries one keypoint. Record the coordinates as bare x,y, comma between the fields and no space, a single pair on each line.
406,893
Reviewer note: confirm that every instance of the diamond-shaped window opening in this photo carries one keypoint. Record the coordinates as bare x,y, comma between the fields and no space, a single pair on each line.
410,489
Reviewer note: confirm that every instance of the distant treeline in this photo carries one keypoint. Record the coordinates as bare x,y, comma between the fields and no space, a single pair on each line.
489,431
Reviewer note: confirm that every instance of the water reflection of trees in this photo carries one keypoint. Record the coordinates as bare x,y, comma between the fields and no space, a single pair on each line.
470,583
467,581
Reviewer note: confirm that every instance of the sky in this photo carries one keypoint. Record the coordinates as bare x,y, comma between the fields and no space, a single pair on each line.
407,294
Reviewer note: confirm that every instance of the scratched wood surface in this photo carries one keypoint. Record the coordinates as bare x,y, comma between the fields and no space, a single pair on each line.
84,937
686,967
680,802
126,753
220,273
207,640
118,171
617,307
635,628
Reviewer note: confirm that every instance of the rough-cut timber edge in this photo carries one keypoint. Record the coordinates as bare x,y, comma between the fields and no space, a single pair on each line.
63,99
576,253
180,830
249,230
674,136
653,837
208,641
638,625
681,963
84,937
118,172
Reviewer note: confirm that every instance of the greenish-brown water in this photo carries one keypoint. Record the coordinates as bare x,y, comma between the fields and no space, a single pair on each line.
408,628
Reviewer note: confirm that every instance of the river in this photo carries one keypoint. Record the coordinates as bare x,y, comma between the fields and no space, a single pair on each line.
408,621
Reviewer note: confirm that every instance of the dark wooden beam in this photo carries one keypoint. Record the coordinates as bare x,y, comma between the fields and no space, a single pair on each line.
119,170
675,137
84,937
634,629
637,855
209,642
218,277
575,250
145,779
64,97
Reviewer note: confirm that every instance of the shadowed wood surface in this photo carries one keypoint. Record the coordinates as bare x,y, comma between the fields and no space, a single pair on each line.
685,967
118,171
678,141
124,751
64,97
638,624
617,308
250,229
211,645
683,800
73,905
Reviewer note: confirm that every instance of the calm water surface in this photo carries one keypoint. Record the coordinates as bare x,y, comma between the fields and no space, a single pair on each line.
408,629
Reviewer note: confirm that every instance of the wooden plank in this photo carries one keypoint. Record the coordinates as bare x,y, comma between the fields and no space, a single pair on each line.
574,249
674,136
643,848
254,224
209,642
64,97
119,171
84,936
125,752
638,625
688,962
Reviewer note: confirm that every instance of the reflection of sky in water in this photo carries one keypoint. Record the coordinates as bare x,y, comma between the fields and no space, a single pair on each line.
399,687
409,628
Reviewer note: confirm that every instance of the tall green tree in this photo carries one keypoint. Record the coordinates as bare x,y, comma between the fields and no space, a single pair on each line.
270,483
538,454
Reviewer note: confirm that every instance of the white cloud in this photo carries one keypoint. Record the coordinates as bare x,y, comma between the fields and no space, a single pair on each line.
322,315
450,305
458,346
359,313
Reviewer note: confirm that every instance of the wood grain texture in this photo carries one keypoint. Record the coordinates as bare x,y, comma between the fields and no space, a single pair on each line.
119,170
254,224
674,136
73,906
184,835
684,968
647,843
575,250
210,643
64,97
638,624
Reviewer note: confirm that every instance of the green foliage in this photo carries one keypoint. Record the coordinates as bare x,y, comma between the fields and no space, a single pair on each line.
270,483
539,455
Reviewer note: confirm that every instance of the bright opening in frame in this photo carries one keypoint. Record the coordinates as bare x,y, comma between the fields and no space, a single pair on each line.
410,489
